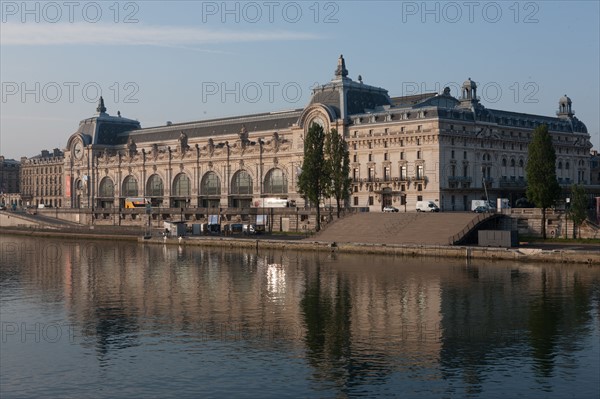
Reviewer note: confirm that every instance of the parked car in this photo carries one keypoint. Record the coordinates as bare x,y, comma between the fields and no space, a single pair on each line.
390,209
249,229
2,207
481,209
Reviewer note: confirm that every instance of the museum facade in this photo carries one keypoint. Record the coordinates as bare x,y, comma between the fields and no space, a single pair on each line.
402,149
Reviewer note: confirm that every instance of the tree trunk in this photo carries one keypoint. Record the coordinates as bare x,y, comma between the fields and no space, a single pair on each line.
574,230
544,223
337,200
318,226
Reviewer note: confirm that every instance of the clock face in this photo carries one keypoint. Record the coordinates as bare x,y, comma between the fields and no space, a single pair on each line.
78,150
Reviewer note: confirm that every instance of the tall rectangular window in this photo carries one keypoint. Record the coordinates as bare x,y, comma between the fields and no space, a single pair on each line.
420,171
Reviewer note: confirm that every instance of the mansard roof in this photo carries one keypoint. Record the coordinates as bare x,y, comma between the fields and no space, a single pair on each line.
272,121
103,128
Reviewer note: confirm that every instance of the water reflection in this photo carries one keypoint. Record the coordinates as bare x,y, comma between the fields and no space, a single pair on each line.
329,324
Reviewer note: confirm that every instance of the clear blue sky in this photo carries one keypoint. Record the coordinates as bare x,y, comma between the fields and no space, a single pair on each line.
184,61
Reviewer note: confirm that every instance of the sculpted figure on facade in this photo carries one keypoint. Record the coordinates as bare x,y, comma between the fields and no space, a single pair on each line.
210,147
183,143
131,147
243,139
275,142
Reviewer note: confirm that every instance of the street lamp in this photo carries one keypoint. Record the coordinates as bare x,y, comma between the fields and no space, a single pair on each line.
567,206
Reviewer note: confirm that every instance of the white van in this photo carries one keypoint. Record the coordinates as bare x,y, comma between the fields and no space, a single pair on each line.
427,206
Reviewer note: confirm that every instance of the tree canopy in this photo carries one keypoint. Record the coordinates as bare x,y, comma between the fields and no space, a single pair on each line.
542,187
314,180
579,205
338,159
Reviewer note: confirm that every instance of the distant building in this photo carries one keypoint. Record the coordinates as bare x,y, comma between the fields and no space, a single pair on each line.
9,175
9,181
594,168
42,179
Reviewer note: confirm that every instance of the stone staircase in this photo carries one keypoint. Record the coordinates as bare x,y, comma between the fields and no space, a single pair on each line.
396,228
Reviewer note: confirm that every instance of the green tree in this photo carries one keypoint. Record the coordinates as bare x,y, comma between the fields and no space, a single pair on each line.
314,180
542,187
338,158
578,209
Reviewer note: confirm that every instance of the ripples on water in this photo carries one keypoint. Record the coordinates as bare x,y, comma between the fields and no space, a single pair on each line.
92,319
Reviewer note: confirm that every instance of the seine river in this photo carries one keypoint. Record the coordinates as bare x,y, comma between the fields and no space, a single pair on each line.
89,319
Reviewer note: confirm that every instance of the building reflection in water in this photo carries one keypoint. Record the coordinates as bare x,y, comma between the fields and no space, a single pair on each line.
357,320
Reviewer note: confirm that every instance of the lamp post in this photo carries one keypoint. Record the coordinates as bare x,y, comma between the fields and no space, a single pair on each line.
567,204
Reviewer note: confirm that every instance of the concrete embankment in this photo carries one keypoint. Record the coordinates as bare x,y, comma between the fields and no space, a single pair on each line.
434,251
438,251
87,234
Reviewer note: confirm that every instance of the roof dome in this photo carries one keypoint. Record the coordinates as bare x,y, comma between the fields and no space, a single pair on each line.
470,83
565,100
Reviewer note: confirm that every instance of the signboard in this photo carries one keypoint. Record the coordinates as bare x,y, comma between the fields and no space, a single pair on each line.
213,219
261,219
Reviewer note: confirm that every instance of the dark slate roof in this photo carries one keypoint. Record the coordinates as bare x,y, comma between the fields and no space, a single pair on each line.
359,97
574,124
409,101
104,128
272,121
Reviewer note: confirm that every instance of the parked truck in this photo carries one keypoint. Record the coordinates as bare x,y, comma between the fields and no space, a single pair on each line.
427,206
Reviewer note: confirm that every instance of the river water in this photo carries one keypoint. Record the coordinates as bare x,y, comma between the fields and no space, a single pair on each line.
89,319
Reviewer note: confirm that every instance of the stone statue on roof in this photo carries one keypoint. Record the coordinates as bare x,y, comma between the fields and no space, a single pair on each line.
101,108
341,70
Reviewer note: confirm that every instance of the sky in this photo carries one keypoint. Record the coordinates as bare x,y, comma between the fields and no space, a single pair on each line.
194,60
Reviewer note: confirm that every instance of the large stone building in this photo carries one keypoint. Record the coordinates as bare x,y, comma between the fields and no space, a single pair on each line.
404,149
41,179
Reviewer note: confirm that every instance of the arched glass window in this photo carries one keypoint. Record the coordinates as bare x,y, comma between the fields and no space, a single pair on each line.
559,164
512,163
130,187
211,184
154,187
181,186
504,162
107,188
567,165
521,163
241,183
276,182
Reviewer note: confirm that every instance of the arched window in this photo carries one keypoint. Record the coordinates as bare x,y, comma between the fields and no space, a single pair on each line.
154,187
521,163
107,188
512,163
559,164
130,187
181,186
241,183
567,165
504,162
211,184
275,182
